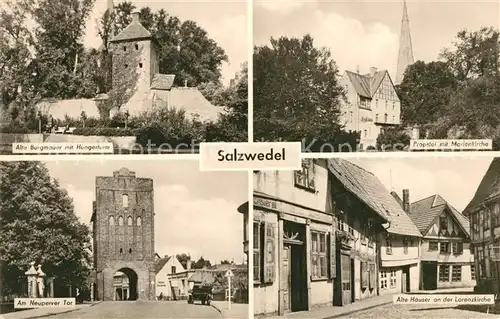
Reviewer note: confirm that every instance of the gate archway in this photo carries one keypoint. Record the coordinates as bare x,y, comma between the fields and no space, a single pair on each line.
125,284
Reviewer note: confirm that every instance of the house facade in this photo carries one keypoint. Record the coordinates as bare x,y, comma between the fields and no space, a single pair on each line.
307,228
400,250
371,105
172,278
483,212
445,253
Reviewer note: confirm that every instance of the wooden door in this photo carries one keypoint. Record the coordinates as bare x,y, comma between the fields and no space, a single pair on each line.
285,277
403,282
346,279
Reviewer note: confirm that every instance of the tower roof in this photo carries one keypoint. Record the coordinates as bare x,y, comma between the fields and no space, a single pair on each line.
134,31
405,55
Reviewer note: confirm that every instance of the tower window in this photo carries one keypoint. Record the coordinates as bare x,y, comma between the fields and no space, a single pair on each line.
139,221
111,220
121,250
130,250
124,48
136,46
120,220
140,65
125,201
129,221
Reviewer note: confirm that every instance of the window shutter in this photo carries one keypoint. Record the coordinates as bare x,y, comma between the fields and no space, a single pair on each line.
269,252
333,254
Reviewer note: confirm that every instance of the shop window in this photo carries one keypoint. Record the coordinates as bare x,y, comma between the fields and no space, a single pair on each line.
443,223
433,246
393,279
473,271
456,273
444,248
383,280
444,273
305,177
319,260
458,248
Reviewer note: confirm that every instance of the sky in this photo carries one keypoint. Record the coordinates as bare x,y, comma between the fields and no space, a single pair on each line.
224,20
456,179
195,212
365,33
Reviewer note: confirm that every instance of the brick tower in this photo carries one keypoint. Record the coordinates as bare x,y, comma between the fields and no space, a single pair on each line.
405,56
123,237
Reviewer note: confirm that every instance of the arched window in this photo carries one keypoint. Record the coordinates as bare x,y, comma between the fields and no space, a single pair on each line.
129,221
120,220
139,221
125,201
130,250
121,250
111,220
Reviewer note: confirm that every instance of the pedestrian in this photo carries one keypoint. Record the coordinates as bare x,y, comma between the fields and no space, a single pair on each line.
161,296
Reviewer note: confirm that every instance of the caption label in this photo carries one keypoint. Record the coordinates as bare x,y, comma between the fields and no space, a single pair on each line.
63,148
245,156
28,303
456,145
471,299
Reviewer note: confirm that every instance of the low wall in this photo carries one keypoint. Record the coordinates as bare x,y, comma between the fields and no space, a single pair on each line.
9,138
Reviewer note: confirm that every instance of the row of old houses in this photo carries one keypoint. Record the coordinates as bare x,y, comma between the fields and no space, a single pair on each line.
331,234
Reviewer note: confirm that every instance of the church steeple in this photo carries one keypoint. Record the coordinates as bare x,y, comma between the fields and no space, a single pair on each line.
405,56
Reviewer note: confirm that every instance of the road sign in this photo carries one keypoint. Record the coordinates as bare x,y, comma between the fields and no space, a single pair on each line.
229,273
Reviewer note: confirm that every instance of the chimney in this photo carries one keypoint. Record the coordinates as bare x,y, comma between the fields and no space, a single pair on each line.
406,200
135,17
373,70
188,264
357,69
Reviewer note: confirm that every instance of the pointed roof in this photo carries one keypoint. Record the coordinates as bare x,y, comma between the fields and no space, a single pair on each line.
370,190
405,54
425,211
134,31
489,187
366,85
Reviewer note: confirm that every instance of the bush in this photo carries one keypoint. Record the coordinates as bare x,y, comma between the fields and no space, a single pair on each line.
103,131
394,138
14,128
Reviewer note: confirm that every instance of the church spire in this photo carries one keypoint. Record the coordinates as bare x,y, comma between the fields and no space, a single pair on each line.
405,56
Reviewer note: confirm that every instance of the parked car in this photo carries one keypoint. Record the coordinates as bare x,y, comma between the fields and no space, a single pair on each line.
201,292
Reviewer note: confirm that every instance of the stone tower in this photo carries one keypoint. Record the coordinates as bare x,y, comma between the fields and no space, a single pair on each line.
135,62
405,56
123,236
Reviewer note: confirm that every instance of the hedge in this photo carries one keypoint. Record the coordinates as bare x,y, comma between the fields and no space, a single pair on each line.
15,129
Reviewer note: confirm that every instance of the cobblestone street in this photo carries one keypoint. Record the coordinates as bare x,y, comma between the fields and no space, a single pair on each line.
417,311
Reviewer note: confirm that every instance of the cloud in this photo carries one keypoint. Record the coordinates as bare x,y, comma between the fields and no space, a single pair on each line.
82,202
284,7
211,228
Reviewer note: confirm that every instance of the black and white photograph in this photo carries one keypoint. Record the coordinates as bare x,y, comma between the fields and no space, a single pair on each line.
147,77
341,237
347,76
125,238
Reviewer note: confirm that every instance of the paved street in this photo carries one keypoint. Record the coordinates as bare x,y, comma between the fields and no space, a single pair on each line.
142,309
416,311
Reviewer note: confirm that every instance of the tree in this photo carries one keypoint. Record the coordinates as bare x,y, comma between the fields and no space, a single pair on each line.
296,91
425,92
201,263
225,262
393,139
39,224
474,54
183,258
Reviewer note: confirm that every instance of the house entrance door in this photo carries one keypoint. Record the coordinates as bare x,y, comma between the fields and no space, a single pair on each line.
346,279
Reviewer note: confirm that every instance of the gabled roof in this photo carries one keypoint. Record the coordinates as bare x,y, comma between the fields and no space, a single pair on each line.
366,85
195,104
425,211
162,81
160,263
368,188
202,276
488,188
134,31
